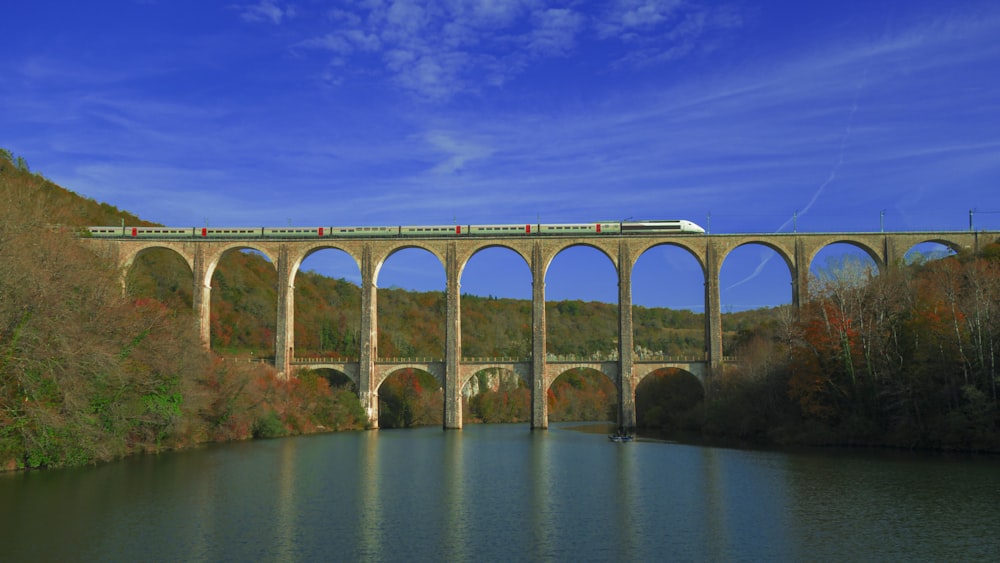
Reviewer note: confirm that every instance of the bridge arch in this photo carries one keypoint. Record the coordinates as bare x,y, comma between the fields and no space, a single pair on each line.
336,313
307,252
471,369
472,252
691,369
584,393
405,333
698,253
841,257
668,298
579,280
669,399
783,252
555,248
496,395
949,247
737,261
262,308
394,250
402,400
493,277
221,250
384,372
131,253
877,257
554,371
611,377
175,277
342,376
469,375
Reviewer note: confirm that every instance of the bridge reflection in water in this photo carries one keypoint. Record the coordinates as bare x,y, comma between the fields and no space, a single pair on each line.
887,250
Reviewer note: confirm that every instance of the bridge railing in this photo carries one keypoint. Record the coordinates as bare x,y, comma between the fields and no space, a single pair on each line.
668,358
485,359
321,360
415,360
598,357
250,359
494,360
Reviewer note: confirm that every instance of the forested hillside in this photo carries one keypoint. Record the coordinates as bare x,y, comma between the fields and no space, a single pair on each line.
906,358
87,374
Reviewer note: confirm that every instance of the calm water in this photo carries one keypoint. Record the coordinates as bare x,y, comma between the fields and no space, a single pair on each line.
504,493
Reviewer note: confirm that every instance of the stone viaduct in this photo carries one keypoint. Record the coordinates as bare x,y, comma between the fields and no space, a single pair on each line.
796,249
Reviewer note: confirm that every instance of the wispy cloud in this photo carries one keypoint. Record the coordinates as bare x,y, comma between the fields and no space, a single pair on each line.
458,153
267,11
661,31
437,50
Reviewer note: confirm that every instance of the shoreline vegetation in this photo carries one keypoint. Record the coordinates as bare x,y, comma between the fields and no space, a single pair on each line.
904,359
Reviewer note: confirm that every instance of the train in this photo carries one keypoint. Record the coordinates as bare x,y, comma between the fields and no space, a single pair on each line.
574,229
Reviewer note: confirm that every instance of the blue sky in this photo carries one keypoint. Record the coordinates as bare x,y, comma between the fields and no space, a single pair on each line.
405,112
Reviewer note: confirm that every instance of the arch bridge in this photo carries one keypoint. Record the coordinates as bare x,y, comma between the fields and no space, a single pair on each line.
797,250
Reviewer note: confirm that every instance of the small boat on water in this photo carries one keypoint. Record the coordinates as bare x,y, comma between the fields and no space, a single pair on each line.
620,436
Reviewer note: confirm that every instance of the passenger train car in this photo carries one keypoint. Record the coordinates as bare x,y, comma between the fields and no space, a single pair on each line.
575,229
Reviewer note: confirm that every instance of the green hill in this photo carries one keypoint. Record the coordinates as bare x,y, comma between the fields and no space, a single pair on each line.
88,374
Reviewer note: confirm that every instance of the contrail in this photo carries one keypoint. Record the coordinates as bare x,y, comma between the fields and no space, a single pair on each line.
833,174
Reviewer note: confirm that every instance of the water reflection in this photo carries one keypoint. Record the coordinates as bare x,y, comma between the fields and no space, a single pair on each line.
455,495
499,492
540,487
917,507
286,500
368,511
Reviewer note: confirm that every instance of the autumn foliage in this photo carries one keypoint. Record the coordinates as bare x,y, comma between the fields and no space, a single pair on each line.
908,357
410,398
89,374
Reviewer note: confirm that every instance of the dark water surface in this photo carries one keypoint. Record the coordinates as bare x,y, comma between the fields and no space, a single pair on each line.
504,493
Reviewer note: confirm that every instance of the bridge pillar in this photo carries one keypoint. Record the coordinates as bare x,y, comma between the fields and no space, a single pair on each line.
539,389
892,254
626,377
800,277
284,337
453,342
367,390
201,296
713,309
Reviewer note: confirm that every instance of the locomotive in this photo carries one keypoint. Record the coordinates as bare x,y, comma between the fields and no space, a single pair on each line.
575,229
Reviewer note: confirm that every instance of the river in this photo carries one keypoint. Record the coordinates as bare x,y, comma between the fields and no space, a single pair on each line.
504,493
